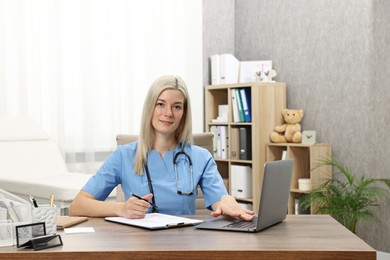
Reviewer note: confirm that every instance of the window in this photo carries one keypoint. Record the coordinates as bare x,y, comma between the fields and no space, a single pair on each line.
82,68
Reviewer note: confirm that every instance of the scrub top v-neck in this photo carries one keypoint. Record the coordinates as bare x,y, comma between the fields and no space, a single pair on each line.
118,169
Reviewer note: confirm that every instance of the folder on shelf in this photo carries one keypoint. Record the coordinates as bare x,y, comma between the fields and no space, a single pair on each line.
215,75
245,143
228,68
245,94
241,181
236,114
219,142
239,104
224,142
234,143
213,130
224,69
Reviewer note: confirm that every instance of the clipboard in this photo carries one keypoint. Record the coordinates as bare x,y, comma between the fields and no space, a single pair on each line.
156,221
66,221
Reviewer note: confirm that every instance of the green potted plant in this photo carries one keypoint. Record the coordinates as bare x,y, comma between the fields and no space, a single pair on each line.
346,197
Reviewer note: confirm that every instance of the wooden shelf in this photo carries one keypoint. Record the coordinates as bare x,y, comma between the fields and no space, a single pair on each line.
306,158
267,102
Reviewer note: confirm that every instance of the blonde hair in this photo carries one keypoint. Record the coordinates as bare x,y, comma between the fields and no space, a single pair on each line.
184,130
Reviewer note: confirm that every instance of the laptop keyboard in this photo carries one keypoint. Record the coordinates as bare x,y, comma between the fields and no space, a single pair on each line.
243,224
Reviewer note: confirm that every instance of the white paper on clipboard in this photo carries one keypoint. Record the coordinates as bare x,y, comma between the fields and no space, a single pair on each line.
156,221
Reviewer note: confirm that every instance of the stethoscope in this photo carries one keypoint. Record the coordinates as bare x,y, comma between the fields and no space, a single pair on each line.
179,191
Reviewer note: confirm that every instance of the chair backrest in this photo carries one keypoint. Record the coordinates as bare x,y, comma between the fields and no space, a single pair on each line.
204,140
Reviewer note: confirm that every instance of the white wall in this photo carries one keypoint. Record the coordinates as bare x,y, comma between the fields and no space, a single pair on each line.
185,62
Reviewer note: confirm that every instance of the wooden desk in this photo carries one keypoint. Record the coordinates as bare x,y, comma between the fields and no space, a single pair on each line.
298,237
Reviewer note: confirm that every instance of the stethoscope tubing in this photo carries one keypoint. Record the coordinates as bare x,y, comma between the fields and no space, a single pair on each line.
180,192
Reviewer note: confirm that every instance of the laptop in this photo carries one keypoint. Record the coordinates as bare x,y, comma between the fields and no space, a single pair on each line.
273,201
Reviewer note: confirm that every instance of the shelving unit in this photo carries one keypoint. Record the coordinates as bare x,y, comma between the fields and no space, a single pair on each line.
267,101
306,158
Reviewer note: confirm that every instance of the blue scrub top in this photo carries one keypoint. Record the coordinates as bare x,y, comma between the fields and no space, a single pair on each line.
118,169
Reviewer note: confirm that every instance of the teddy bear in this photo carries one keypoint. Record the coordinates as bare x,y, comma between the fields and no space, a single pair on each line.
290,132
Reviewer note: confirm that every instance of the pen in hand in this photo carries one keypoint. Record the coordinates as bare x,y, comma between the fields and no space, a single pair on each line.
139,197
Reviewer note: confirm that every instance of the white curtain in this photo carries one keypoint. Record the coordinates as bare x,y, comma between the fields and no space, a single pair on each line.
81,68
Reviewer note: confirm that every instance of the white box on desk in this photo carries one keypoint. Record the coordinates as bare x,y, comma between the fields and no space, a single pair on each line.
241,181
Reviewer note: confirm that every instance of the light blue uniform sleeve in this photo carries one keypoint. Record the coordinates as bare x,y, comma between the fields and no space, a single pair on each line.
211,182
106,178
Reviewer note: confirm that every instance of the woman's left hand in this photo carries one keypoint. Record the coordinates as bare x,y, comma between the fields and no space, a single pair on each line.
228,206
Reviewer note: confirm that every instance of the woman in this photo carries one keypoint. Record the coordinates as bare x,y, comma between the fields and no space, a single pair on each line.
146,167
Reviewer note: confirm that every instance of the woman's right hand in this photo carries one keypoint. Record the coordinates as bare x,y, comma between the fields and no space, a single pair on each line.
85,204
136,208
